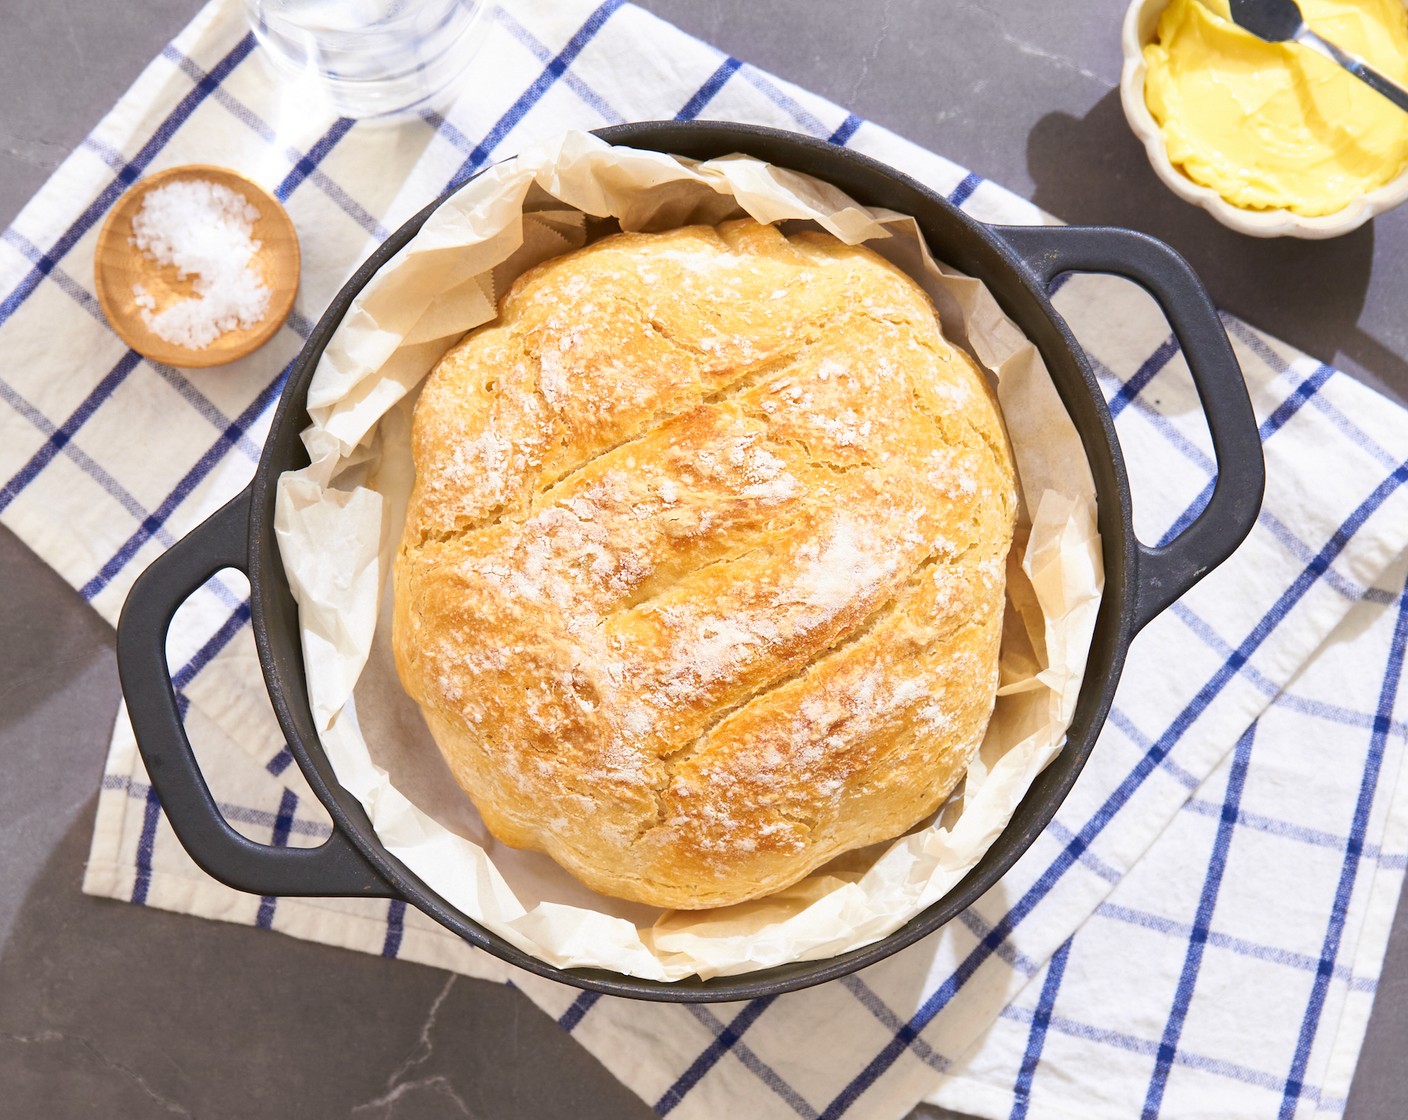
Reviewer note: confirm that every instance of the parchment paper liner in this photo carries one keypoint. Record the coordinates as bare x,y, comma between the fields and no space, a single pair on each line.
338,522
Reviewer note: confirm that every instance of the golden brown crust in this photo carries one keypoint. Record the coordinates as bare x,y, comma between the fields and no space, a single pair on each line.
702,577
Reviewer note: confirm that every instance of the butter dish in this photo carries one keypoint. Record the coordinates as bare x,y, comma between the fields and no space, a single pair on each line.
1140,27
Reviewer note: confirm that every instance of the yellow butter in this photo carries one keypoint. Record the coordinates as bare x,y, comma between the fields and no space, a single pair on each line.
1276,125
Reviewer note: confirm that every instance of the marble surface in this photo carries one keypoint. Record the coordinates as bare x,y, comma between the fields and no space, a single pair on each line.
116,1011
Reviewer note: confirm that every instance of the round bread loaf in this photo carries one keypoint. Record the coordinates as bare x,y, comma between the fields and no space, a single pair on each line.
703,573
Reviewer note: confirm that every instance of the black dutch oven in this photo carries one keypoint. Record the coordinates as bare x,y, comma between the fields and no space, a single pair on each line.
1017,265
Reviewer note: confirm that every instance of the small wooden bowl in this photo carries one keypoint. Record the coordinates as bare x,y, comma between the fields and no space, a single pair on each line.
118,265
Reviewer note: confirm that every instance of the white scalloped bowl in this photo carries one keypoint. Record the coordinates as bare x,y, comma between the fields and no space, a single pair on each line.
1140,22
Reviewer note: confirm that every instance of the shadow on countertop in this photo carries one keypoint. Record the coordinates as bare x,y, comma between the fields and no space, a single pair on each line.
1093,171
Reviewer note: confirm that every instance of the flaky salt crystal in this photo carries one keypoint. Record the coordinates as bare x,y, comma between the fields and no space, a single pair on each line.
206,230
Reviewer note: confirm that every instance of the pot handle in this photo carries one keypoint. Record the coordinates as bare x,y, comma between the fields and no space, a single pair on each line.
335,868
1164,573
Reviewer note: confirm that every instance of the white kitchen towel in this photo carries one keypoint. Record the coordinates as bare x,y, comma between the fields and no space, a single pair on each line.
1205,918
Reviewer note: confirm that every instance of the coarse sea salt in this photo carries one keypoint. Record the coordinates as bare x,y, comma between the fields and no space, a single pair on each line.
206,230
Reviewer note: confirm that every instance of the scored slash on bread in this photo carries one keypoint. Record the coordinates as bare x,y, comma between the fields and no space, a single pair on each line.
703,574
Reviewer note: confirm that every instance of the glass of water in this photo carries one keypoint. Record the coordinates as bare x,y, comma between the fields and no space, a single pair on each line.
371,58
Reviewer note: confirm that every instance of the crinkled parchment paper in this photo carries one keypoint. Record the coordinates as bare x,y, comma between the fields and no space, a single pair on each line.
339,521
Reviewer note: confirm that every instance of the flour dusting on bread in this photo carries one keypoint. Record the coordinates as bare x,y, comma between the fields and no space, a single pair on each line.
702,578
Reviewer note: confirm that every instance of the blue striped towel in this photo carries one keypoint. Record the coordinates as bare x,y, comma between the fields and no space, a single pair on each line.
1205,919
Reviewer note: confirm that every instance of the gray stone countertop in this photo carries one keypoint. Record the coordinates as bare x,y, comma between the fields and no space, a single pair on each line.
117,1011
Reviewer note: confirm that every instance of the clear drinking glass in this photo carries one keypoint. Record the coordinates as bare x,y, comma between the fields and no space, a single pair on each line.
371,58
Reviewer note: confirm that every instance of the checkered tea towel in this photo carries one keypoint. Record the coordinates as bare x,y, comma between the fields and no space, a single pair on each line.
1205,919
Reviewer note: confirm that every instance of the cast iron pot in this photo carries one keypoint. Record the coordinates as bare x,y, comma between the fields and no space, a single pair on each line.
1016,263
